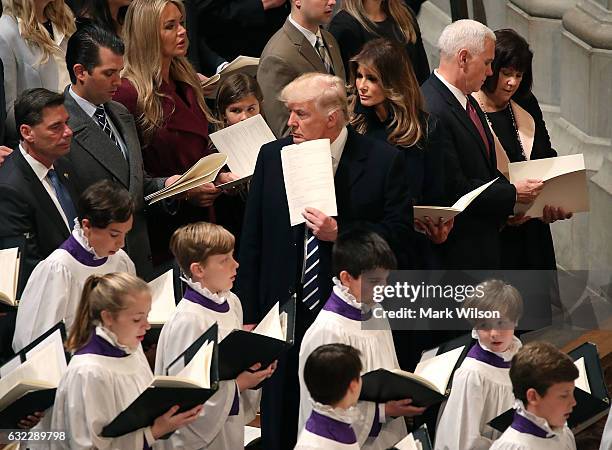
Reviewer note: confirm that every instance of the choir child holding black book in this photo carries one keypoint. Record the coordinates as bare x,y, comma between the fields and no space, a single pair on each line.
332,374
108,369
204,252
543,383
361,260
481,388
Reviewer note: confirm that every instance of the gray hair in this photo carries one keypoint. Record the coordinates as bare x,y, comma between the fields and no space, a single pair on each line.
327,91
464,33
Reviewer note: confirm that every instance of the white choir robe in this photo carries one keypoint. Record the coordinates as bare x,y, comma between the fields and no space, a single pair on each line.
606,439
54,289
479,393
215,429
92,392
377,352
337,433
527,438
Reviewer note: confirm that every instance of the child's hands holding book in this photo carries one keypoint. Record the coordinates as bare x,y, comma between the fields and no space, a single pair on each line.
171,421
253,377
397,408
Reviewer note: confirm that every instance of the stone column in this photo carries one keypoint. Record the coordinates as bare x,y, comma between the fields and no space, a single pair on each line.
585,126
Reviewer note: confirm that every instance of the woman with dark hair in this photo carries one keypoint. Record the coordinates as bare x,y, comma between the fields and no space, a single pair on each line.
361,21
520,134
108,14
387,104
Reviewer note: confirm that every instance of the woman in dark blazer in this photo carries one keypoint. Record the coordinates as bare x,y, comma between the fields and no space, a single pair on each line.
360,21
387,104
520,134
161,89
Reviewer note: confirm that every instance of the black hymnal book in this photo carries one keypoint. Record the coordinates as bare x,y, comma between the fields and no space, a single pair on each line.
590,407
417,440
429,384
28,381
272,337
194,380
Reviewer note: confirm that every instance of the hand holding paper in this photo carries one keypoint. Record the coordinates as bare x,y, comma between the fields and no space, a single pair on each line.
325,228
528,190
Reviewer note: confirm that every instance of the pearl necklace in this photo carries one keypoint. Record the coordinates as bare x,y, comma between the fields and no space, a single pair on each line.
518,136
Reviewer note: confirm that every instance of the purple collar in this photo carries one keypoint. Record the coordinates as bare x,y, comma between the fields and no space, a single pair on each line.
524,425
97,345
480,354
76,250
196,297
337,305
331,429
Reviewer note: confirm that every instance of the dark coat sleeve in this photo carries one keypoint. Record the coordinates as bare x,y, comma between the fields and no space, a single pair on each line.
349,35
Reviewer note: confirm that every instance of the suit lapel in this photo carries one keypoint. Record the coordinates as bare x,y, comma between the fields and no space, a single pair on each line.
89,135
334,52
351,167
43,200
304,47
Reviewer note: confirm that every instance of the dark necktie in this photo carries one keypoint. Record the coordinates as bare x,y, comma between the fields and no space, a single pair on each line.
324,55
310,287
478,124
100,115
63,197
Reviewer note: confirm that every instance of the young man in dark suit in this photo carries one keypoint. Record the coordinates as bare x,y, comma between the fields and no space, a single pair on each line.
467,49
371,193
36,195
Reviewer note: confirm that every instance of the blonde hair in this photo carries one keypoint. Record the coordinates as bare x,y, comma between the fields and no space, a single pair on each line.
396,9
326,91
497,295
33,32
101,293
195,242
403,96
143,64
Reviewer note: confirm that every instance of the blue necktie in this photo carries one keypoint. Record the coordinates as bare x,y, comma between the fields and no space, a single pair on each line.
63,197
310,287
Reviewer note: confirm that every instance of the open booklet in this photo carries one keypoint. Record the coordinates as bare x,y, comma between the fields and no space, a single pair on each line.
241,143
417,440
309,178
202,172
163,303
9,275
193,379
272,337
446,213
428,385
565,183
242,64
28,381
591,393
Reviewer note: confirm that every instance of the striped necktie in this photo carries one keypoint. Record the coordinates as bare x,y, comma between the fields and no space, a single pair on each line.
103,122
310,286
324,55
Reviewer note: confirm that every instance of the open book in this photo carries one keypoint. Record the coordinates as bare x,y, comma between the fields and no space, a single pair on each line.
194,380
429,384
445,213
565,183
243,64
202,172
9,275
309,178
272,337
592,399
29,381
417,440
241,143
163,304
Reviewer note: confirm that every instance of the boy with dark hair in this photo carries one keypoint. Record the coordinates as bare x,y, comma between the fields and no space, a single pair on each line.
333,377
543,384
361,260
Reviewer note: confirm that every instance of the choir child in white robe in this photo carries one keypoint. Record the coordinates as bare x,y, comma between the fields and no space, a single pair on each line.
332,374
204,252
361,260
606,439
53,290
108,369
481,388
543,382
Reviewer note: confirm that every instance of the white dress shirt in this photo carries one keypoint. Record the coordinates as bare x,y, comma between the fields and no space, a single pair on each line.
459,95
